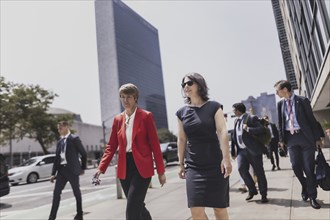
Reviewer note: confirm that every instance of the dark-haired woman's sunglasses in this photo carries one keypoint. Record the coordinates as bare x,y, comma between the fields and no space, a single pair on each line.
189,83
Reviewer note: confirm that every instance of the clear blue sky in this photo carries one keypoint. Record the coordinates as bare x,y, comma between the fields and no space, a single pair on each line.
233,44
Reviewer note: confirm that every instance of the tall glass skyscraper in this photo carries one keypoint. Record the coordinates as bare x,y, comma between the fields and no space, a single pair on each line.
128,52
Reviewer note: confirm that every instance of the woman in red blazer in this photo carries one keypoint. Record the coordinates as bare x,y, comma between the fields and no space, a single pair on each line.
134,133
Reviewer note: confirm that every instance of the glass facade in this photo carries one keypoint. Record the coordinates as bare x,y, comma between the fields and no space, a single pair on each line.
138,61
311,27
286,54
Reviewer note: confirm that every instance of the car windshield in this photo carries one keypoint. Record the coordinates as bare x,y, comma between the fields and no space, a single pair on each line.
28,162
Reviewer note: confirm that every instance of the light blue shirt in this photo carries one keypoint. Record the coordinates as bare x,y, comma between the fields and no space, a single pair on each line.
296,125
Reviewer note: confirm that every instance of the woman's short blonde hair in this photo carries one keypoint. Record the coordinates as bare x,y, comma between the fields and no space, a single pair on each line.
129,89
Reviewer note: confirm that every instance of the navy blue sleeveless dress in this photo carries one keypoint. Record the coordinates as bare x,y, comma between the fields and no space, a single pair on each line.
205,184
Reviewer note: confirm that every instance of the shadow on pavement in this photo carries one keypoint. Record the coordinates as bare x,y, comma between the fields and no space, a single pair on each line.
5,206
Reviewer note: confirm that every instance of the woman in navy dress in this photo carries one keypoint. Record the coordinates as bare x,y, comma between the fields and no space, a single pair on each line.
203,150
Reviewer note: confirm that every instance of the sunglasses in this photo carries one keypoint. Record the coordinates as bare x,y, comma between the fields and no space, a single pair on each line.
189,83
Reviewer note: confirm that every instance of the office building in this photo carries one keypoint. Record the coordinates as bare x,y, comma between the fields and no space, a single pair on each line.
128,52
91,137
286,54
307,27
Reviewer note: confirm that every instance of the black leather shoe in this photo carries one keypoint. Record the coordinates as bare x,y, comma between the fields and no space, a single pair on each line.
304,196
273,168
78,217
264,199
250,196
278,168
314,204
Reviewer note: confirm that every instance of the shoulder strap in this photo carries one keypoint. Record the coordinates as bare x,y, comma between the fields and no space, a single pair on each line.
246,119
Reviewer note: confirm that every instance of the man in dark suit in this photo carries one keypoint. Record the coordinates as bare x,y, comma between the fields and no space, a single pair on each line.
68,168
273,145
298,130
249,151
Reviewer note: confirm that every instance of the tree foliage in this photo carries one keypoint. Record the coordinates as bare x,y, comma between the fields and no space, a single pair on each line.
24,113
164,135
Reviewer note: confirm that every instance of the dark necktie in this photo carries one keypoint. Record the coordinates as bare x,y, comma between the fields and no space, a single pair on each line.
127,120
62,144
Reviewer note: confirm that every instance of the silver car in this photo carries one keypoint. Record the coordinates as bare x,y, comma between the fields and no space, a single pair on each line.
30,171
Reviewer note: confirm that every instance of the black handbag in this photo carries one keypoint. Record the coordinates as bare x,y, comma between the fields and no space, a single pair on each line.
282,151
322,171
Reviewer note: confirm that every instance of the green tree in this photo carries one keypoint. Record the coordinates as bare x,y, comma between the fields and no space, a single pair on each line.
9,115
26,114
164,135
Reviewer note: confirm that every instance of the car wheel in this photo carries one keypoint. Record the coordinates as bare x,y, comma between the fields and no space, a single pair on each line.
14,184
165,162
32,178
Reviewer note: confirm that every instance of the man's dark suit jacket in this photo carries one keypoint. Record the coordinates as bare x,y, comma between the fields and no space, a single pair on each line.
305,118
74,148
252,145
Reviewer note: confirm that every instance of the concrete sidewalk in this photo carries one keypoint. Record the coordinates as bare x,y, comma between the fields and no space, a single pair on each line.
170,202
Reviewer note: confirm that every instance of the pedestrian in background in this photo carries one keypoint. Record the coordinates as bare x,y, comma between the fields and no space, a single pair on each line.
203,150
134,133
249,151
273,144
242,188
299,130
67,168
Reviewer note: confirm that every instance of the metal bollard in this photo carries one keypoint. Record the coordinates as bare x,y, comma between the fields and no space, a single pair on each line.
118,187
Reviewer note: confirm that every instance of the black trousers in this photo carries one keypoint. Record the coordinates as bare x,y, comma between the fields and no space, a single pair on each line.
64,175
135,188
274,150
302,157
244,159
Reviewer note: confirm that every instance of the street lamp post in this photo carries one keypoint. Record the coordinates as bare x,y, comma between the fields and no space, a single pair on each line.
118,185
103,126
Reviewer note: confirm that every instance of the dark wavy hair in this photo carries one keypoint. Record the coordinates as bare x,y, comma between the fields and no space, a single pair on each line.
239,107
284,84
202,87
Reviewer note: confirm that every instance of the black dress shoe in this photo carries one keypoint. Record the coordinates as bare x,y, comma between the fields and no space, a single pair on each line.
278,168
314,204
264,199
273,168
78,217
250,196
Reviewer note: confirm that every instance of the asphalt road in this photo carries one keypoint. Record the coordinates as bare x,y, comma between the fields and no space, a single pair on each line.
26,196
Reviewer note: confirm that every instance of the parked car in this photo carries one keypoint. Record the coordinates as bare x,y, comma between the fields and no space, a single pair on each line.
4,180
30,171
170,152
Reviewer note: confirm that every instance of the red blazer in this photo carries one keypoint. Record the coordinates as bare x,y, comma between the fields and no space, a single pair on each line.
145,145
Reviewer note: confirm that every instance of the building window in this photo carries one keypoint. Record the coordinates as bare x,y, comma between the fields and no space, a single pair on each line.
320,27
325,18
327,7
317,46
311,4
309,15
